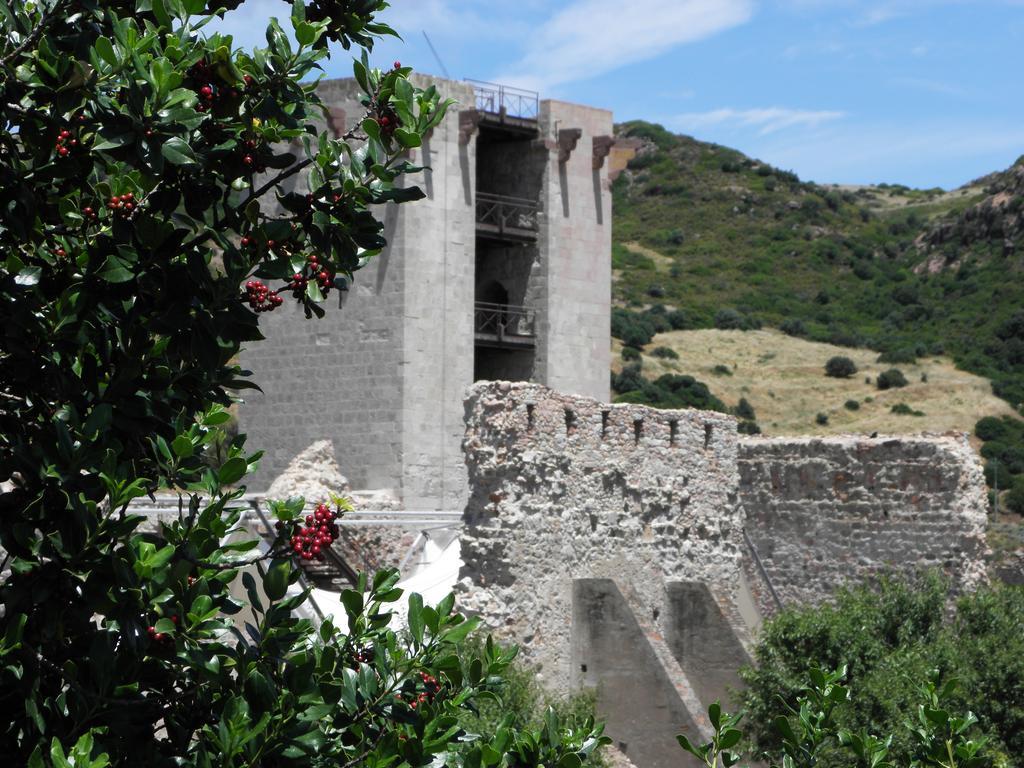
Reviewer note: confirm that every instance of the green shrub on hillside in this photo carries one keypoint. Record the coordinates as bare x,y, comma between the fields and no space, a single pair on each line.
748,428
902,409
794,327
1015,498
673,391
733,320
852,405
722,370
676,319
821,419
630,353
840,367
745,410
665,353
891,379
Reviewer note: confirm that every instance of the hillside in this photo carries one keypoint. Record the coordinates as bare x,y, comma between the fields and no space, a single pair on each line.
782,378
704,229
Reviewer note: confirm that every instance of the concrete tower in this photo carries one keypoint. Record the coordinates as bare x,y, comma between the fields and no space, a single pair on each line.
502,272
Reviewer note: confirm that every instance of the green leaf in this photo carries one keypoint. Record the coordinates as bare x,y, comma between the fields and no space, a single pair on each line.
182,447
570,760
115,270
177,152
105,49
275,581
416,624
232,470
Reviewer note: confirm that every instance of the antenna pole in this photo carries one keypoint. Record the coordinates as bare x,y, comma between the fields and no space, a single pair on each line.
433,50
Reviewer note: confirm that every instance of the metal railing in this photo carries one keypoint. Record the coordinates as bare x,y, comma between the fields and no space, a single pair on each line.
504,100
504,320
507,213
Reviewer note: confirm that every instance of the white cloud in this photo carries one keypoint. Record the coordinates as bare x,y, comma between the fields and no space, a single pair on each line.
591,37
765,120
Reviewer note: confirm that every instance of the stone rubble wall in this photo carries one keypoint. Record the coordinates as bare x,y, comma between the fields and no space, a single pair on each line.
824,512
563,488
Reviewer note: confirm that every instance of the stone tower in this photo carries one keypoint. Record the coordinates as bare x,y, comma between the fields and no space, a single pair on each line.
502,272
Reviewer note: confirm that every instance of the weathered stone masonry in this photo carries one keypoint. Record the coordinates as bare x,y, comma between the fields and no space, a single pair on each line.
608,541
587,529
822,513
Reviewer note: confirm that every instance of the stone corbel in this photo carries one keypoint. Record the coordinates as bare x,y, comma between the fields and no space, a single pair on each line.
568,138
469,124
337,121
602,148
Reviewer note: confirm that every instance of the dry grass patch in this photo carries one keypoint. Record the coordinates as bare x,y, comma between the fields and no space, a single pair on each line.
784,379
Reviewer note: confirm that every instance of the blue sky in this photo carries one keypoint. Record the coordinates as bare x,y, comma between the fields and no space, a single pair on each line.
919,92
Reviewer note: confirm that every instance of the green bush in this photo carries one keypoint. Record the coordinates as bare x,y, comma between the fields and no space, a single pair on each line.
906,355
821,419
1015,498
891,379
748,428
794,327
665,353
673,391
721,370
745,410
630,353
677,320
852,405
629,379
902,409
840,367
634,329
890,637
733,320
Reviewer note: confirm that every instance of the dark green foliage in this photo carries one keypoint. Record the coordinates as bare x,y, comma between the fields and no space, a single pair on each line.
794,327
891,379
745,410
665,353
748,428
677,319
635,329
902,409
1014,500
629,380
1003,449
906,355
656,291
672,391
630,353
839,367
891,637
821,419
722,370
852,405
733,320
145,178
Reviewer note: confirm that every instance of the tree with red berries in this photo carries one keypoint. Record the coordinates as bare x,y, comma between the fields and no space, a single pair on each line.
145,225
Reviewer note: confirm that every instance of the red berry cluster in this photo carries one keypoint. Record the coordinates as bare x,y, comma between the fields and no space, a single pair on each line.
89,214
206,88
319,533
250,156
261,298
122,205
65,143
160,637
431,689
364,654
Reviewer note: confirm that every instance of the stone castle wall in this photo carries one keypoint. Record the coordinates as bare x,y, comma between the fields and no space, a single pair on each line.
823,512
565,488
